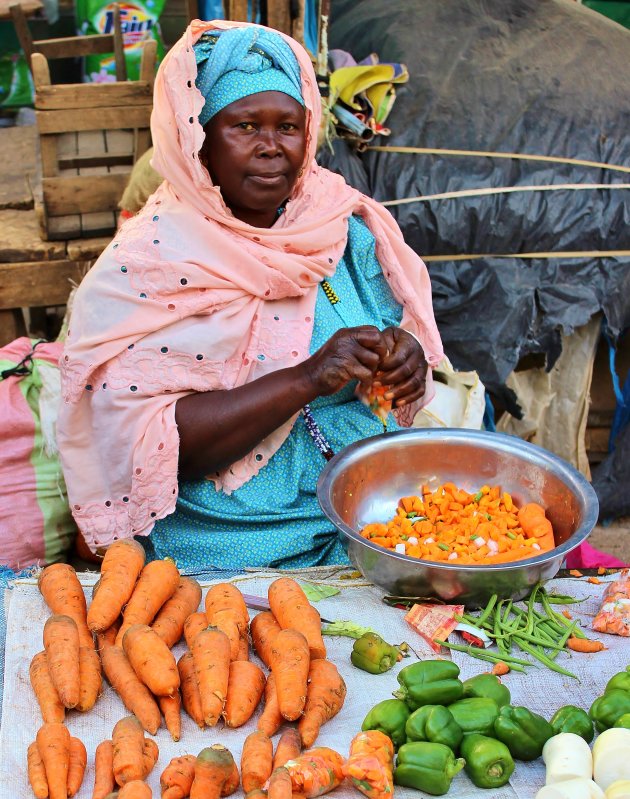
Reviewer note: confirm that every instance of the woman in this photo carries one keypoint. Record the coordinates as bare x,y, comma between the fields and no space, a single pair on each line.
252,284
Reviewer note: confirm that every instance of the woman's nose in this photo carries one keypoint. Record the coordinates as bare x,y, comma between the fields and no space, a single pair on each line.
268,143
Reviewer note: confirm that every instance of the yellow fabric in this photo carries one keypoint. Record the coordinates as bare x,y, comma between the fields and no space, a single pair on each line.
373,81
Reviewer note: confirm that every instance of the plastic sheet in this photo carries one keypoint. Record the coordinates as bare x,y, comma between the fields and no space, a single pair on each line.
509,76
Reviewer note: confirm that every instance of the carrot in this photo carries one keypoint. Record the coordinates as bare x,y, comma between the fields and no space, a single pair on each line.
62,592
189,687
120,568
594,580
256,760
270,720
45,692
195,623
214,773
135,789
171,710
76,767
290,606
243,648
225,596
151,659
289,747
370,764
53,743
325,696
36,772
169,622
567,614
61,642
128,749
150,754
264,627
135,695
584,645
316,771
108,637
90,681
103,770
280,785
576,573
246,685
177,778
290,662
156,584
257,793
211,656
500,668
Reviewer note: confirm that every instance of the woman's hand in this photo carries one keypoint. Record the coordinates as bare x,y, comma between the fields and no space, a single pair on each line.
352,353
403,370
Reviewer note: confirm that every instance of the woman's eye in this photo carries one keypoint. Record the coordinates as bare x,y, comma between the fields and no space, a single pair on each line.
288,126
246,125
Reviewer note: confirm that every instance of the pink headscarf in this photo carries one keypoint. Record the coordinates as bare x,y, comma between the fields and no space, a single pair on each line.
187,298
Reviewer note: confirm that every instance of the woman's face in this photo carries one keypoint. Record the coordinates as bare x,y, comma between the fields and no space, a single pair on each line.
254,150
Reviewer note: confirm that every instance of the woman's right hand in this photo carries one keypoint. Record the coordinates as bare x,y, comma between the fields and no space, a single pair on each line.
352,353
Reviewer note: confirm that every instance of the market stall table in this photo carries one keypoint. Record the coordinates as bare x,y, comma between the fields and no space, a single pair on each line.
539,689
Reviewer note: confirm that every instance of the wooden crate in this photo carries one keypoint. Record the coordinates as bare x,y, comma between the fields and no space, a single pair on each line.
90,135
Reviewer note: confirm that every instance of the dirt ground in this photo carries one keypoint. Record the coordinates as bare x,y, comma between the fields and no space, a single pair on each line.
614,539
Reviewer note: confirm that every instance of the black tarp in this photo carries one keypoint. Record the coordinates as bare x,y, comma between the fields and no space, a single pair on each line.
515,76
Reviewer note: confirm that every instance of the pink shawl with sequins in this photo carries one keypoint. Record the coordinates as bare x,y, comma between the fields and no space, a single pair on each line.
188,298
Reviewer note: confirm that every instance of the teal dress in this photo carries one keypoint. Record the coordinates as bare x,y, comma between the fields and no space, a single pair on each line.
274,519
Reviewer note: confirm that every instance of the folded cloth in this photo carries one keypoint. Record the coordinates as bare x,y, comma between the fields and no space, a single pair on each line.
587,557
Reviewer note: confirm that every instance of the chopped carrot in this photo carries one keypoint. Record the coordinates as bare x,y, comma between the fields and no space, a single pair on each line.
316,771
601,570
575,573
585,645
594,580
370,764
500,668
567,614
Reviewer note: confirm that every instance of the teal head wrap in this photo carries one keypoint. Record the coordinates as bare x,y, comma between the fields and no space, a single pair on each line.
238,62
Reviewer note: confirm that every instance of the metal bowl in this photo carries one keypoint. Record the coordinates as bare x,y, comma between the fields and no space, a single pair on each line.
364,482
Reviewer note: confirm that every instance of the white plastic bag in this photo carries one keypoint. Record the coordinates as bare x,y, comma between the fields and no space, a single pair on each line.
459,400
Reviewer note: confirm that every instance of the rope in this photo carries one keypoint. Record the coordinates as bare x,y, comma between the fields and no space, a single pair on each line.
384,148
580,254
451,195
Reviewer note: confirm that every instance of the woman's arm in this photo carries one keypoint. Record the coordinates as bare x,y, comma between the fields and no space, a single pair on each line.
217,428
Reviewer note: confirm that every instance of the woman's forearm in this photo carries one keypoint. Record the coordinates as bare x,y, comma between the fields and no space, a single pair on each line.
217,428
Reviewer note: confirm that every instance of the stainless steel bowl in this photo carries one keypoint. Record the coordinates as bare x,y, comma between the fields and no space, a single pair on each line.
364,482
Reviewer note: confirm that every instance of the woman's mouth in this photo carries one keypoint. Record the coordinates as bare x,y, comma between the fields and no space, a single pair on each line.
272,179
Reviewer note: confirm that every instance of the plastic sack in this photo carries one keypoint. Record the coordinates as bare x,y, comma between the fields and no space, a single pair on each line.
459,400
36,526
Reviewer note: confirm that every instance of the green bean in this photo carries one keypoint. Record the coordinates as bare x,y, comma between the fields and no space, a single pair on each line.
488,609
513,663
544,659
533,639
559,618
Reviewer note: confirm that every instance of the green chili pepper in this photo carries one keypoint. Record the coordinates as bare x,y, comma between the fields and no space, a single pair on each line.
389,717
523,732
573,719
372,654
429,682
489,763
475,714
434,723
620,680
609,707
487,686
426,767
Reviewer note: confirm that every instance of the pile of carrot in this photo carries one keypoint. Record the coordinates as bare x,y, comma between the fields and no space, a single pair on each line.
453,525
137,614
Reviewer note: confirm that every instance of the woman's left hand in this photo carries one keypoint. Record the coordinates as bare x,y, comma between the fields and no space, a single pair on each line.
404,369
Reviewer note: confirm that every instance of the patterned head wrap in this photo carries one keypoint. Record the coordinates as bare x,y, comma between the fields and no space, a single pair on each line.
236,63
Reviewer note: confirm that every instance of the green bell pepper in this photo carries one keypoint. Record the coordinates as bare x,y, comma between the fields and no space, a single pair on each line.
389,717
623,721
523,732
371,653
487,686
620,680
489,763
609,707
434,723
475,714
427,767
573,719
429,682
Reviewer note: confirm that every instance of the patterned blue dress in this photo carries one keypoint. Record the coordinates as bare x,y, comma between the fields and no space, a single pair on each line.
275,519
